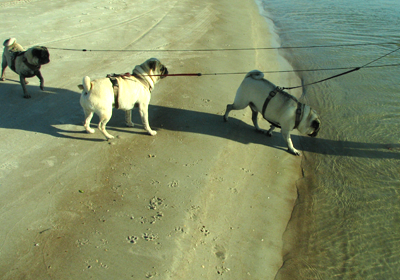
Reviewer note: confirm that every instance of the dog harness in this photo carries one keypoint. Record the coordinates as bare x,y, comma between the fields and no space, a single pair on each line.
114,82
142,80
299,110
30,66
13,57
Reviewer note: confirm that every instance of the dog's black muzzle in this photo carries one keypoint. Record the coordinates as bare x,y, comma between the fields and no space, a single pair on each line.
164,71
317,126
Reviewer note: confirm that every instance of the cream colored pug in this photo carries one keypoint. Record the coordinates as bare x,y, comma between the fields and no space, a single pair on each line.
26,63
124,92
277,106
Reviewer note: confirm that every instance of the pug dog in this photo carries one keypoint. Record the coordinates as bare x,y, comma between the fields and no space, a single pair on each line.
26,63
124,91
277,106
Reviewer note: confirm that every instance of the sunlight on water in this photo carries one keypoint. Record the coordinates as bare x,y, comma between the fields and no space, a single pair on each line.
347,220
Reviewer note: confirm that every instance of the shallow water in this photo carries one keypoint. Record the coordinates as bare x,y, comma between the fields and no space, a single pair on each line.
348,215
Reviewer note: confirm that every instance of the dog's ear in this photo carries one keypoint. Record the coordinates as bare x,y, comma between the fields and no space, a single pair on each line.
80,87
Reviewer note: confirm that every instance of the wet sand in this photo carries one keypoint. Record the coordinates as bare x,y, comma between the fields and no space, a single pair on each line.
202,198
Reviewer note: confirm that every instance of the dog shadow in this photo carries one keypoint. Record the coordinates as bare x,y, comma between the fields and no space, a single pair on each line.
236,130
57,112
44,112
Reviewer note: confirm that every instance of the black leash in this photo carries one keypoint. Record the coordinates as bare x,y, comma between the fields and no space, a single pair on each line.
344,73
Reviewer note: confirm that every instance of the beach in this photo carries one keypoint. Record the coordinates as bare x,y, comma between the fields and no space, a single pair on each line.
203,198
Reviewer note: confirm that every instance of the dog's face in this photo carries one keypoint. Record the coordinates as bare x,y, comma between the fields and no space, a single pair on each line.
38,55
153,66
311,125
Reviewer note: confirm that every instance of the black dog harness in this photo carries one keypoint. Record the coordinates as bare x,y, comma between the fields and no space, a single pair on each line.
299,110
114,82
13,57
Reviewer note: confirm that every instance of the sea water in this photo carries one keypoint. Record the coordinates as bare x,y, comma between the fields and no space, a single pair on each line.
346,224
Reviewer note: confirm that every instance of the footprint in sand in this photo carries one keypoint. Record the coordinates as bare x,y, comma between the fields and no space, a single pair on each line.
220,252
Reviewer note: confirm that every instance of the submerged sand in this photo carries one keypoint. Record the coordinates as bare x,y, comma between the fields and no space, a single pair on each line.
203,198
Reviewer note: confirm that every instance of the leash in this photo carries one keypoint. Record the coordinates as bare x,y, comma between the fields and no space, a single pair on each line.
323,80
177,75
344,73
231,49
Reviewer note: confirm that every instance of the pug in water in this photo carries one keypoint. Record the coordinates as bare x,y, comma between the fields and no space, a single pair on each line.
124,92
26,63
277,106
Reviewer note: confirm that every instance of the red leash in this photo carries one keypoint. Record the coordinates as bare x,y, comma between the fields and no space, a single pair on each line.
177,75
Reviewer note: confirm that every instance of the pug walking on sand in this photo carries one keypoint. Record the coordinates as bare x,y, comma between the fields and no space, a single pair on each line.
124,92
26,63
276,106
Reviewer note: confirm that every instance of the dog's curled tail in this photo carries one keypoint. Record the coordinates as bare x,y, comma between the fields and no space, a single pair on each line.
9,42
255,74
86,84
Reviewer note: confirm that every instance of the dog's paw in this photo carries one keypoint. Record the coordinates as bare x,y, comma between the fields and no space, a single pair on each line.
152,132
41,87
2,79
129,124
294,152
27,96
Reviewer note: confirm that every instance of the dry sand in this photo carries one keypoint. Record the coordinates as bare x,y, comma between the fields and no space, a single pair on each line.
203,199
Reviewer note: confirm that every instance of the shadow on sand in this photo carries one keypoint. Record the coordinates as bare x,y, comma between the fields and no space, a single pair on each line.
57,107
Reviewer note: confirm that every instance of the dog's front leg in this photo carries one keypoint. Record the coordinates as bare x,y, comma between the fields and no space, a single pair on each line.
143,110
23,84
40,77
286,136
128,118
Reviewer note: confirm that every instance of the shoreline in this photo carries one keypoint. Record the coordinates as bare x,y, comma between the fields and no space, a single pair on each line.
203,198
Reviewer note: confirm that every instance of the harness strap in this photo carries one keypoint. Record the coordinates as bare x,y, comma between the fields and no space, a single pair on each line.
115,85
30,66
299,110
142,80
14,56
299,114
270,96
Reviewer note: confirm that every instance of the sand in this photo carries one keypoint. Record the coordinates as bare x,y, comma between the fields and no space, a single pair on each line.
203,199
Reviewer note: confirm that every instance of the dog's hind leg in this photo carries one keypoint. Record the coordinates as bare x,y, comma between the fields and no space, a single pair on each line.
104,118
128,118
88,118
229,108
143,110
237,105
254,118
